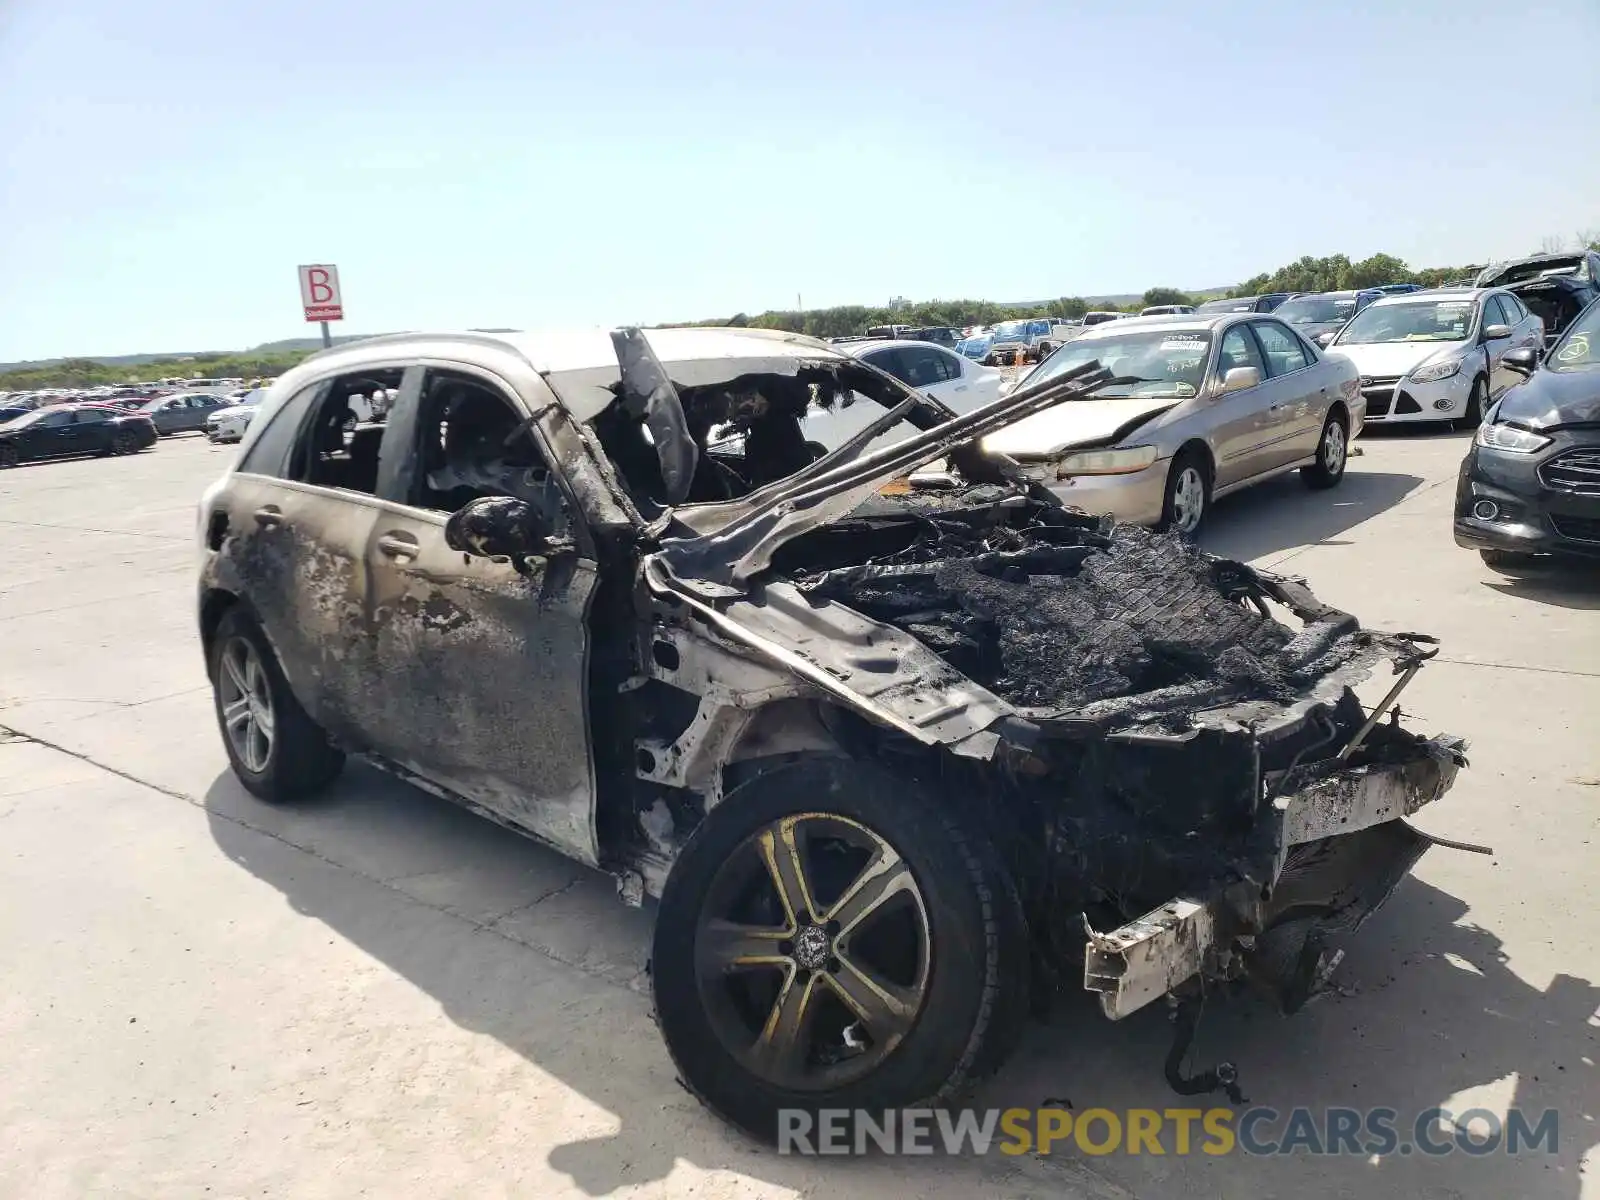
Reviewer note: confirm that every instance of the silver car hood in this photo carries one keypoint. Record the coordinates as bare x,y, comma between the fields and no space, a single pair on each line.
721,562
1077,423
1396,358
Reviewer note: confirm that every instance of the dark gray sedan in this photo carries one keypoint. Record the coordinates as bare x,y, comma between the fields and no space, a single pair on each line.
184,412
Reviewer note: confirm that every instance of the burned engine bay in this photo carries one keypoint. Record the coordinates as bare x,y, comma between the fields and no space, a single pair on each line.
1163,713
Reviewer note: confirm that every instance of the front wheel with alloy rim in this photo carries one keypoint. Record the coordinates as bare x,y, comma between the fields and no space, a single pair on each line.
1333,453
829,938
276,750
1188,494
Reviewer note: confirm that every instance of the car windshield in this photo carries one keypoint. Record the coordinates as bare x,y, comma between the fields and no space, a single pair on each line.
974,347
1152,362
1312,310
1417,321
25,419
1579,350
1227,305
1007,330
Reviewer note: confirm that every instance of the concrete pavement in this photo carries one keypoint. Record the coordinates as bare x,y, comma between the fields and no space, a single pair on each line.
377,992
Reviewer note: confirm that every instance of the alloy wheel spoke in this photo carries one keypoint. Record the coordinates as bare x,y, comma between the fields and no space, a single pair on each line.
781,852
729,946
236,713
885,877
780,1048
230,664
884,1007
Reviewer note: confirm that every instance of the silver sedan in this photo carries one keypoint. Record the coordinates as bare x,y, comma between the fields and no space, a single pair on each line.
1199,406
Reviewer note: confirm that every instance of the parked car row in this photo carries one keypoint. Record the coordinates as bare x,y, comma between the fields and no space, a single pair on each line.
73,429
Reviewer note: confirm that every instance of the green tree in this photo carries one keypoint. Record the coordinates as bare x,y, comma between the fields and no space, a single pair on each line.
1379,269
1164,295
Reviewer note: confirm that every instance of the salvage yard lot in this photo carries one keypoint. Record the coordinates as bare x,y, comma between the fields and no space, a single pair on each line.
377,991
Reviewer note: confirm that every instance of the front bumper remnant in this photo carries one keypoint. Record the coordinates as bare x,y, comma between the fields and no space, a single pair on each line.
1318,851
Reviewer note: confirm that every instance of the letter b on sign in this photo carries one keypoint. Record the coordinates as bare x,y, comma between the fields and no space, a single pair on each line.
319,292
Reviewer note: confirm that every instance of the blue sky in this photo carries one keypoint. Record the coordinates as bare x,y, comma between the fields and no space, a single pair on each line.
513,162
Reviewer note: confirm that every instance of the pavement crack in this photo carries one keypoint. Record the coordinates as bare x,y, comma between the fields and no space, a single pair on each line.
493,922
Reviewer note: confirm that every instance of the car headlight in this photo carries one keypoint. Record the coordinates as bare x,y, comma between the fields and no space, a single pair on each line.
1509,437
1436,371
1106,462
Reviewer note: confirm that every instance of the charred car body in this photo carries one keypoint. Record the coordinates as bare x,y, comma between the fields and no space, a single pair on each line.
884,754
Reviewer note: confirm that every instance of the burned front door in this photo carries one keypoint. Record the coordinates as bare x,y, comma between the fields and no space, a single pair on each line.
480,668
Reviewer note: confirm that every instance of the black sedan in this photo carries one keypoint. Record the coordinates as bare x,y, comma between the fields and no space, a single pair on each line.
1530,485
66,429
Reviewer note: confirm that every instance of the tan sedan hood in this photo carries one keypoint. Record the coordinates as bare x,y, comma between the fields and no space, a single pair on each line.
1074,423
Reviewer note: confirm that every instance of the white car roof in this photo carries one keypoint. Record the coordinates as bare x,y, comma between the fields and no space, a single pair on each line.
580,364
857,349
1434,296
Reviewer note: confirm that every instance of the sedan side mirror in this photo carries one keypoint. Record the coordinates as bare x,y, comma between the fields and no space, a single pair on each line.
1523,360
499,527
1495,332
1239,378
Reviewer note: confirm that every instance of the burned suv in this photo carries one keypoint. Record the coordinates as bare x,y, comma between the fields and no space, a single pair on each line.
893,756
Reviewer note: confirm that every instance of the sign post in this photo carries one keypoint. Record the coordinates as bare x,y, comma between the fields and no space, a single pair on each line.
320,296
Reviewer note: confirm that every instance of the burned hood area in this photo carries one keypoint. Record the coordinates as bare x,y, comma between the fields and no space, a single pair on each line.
1162,709
1067,616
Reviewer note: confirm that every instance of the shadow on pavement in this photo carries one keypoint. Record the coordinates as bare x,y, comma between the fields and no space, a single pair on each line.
1438,1011
1562,584
1283,513
593,1032
1434,1011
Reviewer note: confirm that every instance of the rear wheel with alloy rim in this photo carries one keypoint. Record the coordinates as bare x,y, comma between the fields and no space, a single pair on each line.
1188,494
276,750
1333,454
828,939
9,457
124,443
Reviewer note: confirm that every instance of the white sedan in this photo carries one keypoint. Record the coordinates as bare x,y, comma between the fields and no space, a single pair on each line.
931,369
228,424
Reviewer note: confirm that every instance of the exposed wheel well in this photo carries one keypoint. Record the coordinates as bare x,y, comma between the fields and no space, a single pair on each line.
1337,409
1196,446
212,609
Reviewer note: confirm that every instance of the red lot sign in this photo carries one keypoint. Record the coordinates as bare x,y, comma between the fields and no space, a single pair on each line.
319,292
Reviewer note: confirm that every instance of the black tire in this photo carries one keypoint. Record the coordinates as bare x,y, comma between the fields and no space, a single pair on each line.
124,442
1508,560
1473,417
975,996
1176,501
299,760
1333,454
10,456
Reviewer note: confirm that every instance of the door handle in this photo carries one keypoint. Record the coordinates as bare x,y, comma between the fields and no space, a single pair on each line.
269,516
397,545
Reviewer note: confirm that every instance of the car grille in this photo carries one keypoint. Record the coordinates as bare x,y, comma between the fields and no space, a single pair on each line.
1379,393
1575,471
1579,529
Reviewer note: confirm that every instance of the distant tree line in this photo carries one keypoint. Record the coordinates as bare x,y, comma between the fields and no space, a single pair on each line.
1334,273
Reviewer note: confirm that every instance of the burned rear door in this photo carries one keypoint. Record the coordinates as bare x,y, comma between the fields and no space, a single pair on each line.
481,668
293,541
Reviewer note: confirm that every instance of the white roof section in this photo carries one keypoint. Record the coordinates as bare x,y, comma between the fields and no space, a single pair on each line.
580,363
